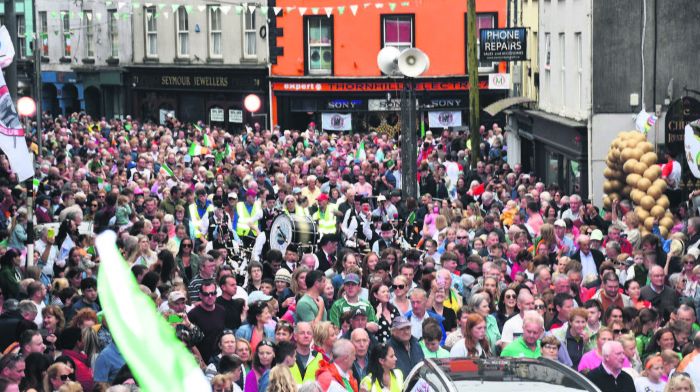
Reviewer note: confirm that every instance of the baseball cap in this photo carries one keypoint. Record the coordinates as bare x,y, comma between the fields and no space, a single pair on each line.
256,296
176,295
322,197
352,278
560,223
359,312
251,192
381,198
233,195
597,235
400,322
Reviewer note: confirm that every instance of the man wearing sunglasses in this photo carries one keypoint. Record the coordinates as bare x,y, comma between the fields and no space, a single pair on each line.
210,317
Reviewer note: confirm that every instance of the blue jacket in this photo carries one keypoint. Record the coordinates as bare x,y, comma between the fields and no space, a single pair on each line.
108,364
245,331
437,317
406,360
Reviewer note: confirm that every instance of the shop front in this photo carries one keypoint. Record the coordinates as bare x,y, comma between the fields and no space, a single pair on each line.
62,93
104,91
213,95
374,105
554,147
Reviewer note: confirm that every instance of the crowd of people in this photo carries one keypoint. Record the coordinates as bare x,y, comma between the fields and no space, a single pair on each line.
488,261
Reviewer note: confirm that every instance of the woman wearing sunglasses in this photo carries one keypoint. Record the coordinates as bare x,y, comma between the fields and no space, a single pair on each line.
187,261
400,289
57,374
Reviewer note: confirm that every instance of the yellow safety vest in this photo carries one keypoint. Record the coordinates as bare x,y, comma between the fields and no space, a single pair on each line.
311,369
326,221
196,220
245,222
396,382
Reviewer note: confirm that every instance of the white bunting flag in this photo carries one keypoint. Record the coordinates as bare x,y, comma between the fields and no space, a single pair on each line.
329,11
225,9
314,10
302,11
251,8
277,10
201,8
379,5
353,9
366,5
290,9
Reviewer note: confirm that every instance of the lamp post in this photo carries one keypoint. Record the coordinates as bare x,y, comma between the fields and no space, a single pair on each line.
253,103
26,108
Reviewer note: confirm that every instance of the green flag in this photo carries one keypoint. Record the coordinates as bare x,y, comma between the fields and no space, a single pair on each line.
360,154
166,170
158,360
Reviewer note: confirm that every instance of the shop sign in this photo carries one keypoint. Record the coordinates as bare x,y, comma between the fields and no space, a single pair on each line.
216,115
681,112
344,104
446,103
499,81
444,119
235,116
336,122
195,82
376,86
508,44
383,105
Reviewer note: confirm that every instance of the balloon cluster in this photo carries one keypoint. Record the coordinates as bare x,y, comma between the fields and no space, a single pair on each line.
632,173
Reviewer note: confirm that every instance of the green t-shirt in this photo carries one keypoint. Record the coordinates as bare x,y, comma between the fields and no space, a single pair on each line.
518,349
307,310
440,353
341,306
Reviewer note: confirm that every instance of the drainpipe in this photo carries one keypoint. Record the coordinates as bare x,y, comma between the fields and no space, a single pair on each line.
590,109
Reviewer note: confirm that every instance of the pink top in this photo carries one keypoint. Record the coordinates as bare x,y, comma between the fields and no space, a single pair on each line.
591,360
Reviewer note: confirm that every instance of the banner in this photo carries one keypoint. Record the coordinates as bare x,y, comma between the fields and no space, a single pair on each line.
336,122
503,44
680,113
444,119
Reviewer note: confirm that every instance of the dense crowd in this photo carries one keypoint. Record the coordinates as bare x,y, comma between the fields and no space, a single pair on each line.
488,261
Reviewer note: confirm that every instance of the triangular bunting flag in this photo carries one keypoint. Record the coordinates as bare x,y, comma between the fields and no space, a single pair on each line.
392,6
251,8
215,7
108,3
80,15
136,4
314,10
238,9
379,5
353,9
405,4
277,10
98,15
148,5
302,11
121,4
188,8
290,9
174,7
166,14
201,8
263,9
161,6
329,11
366,5
225,9
341,9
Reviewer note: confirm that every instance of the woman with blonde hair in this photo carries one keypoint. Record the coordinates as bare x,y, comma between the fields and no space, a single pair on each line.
143,255
56,375
680,382
299,281
324,335
281,380
71,386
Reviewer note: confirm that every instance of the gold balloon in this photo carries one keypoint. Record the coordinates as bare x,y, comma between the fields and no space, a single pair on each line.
664,202
629,166
626,190
616,185
640,167
646,147
643,184
632,179
660,183
664,231
649,223
607,186
636,195
666,222
606,202
647,202
651,173
649,158
657,211
607,173
654,192
637,154
641,213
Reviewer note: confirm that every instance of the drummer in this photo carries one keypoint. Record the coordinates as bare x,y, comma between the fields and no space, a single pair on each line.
246,222
325,216
291,208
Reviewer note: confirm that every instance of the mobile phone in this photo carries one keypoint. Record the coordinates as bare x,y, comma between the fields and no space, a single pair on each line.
174,319
51,232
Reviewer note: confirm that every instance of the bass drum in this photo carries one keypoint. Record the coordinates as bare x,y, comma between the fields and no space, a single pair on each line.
291,229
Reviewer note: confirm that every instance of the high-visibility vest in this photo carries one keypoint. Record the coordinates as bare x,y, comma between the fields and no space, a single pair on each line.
196,220
396,385
326,221
311,369
245,222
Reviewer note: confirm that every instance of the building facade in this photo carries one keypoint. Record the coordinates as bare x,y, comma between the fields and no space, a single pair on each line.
84,46
23,46
325,67
199,61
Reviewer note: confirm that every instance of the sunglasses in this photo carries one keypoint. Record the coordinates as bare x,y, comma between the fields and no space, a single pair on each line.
510,296
208,293
64,377
228,332
689,263
621,331
398,286
550,347
539,307
462,238
186,245
266,343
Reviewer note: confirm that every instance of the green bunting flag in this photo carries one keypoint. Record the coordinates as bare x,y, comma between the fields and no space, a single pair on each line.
392,6
341,10
158,360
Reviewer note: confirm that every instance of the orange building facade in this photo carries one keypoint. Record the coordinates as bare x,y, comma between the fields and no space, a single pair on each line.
329,63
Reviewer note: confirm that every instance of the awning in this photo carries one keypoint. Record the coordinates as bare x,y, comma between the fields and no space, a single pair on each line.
505,103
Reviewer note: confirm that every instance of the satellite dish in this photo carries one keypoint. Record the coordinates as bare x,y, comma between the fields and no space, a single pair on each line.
387,59
413,62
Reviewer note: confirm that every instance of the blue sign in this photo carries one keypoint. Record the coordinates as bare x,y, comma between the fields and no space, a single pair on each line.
509,44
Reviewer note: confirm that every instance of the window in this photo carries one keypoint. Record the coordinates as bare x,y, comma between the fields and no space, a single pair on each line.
65,33
484,21
151,32
89,35
183,33
562,61
113,26
215,31
398,31
319,32
21,37
249,35
579,69
547,51
44,33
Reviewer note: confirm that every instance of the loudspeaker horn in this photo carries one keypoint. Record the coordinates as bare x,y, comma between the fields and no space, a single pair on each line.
413,62
387,60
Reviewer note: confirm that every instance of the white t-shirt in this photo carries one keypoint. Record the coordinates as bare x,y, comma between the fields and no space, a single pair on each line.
512,329
417,325
459,350
643,384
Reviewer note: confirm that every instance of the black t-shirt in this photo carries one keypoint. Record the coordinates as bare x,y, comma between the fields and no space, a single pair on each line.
449,321
234,310
212,325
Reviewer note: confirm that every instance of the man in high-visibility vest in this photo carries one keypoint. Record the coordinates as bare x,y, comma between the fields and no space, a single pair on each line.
307,362
246,222
325,216
197,212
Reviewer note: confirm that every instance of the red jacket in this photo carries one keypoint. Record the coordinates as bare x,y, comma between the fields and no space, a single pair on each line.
83,373
327,373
